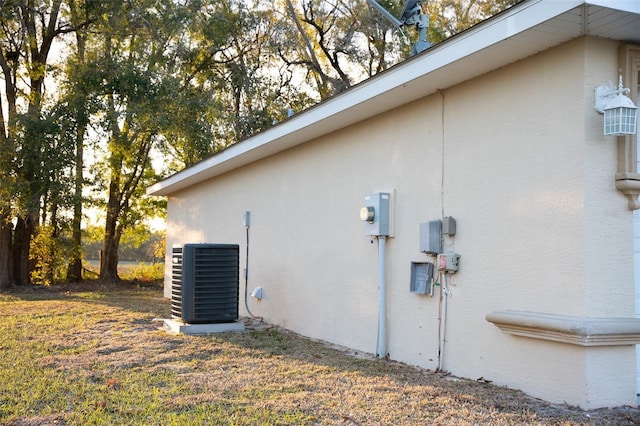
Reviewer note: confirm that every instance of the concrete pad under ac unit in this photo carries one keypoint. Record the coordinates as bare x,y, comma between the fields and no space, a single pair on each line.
173,326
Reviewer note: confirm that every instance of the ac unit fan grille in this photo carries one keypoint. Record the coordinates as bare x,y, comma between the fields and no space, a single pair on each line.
205,283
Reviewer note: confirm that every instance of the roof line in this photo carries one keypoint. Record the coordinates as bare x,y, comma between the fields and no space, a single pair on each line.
363,100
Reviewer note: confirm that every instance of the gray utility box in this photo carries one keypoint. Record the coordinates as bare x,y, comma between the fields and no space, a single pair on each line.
431,237
421,278
376,214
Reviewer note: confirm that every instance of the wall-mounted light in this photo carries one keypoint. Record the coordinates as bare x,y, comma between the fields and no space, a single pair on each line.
620,114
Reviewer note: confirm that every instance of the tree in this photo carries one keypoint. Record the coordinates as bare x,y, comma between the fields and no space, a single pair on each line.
54,182
78,109
227,57
131,50
449,17
29,28
222,71
148,78
337,43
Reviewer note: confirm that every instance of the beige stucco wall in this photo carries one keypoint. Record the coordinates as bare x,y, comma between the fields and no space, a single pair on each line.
517,158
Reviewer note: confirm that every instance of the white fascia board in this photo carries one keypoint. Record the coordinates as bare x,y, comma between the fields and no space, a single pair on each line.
512,22
371,97
631,6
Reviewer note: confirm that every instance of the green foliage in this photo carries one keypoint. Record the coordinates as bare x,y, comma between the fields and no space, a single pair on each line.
92,235
449,17
144,272
50,255
142,245
139,243
152,86
134,237
159,247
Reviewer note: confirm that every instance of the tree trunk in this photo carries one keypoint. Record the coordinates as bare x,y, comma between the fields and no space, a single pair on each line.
74,270
22,239
318,74
6,258
109,259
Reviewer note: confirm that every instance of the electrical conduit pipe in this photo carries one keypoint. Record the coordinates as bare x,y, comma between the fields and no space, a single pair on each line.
443,320
382,297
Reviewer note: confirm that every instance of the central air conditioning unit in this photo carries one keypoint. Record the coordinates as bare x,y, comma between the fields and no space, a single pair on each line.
205,283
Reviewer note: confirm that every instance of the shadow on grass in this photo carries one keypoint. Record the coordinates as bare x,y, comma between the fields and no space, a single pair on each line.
447,389
137,296
437,390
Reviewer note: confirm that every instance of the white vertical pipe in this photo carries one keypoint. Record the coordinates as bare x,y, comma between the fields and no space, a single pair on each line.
382,296
443,320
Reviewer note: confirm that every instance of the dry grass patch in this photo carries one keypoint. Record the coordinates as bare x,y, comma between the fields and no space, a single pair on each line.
93,355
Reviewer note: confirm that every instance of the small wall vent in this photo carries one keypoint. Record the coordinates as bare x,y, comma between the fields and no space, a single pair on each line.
205,283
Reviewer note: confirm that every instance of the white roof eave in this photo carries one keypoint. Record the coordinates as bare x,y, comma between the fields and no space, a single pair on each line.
527,28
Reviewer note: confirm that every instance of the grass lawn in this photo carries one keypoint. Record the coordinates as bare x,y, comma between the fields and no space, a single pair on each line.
92,354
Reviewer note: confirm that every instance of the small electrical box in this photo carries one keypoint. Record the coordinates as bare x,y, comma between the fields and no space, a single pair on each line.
430,237
421,278
449,226
448,262
375,214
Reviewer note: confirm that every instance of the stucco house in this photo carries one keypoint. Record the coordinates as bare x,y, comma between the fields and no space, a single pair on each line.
495,128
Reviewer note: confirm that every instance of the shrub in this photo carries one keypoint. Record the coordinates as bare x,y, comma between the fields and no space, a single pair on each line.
50,255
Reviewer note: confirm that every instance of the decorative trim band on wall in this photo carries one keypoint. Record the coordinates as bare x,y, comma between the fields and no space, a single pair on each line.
579,331
627,178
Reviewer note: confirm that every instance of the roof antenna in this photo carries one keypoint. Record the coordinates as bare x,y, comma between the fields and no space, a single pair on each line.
411,15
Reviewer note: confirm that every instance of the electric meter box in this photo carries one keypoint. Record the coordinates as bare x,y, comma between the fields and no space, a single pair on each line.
375,214
431,237
421,278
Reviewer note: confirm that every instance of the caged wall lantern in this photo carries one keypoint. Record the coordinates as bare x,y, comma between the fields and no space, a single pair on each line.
620,114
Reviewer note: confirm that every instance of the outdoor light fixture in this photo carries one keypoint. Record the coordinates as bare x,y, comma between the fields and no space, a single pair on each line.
620,114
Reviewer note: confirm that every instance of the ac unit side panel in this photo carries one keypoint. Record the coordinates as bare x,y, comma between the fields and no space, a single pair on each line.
176,282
